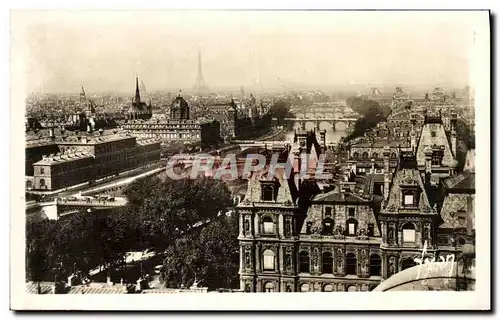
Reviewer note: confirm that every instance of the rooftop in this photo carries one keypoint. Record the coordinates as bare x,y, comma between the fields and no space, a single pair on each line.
63,157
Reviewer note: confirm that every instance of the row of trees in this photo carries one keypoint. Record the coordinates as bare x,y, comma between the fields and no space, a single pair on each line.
183,218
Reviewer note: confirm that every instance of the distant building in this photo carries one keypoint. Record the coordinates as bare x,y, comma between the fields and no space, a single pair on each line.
139,109
178,128
86,158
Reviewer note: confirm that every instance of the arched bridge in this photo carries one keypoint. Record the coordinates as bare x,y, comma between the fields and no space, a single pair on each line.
247,144
319,123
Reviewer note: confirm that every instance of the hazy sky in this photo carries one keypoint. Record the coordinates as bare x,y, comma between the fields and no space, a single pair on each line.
104,50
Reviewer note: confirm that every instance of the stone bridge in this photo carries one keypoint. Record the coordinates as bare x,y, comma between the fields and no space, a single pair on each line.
247,144
320,123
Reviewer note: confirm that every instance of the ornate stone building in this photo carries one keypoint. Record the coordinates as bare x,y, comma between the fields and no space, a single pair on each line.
269,223
407,219
178,128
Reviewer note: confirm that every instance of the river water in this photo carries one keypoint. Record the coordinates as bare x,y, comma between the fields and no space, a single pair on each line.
331,136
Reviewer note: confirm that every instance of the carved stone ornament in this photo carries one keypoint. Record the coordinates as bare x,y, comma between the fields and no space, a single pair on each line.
316,230
288,262
339,230
246,226
392,266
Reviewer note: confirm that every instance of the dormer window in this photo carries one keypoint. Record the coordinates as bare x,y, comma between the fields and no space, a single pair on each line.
268,193
408,200
308,227
351,212
328,211
328,226
433,134
351,227
410,197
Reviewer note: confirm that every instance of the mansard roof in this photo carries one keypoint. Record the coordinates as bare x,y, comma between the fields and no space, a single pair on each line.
439,139
464,181
287,191
407,176
337,196
452,205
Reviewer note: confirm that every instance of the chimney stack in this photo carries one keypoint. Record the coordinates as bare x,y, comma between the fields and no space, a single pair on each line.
453,122
469,216
387,180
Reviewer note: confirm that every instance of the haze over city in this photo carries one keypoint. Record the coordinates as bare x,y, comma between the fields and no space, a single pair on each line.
104,52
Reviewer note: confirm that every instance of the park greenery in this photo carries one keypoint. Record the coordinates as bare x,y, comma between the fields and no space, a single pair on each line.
183,219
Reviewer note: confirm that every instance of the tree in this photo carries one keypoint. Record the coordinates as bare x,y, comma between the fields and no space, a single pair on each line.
173,207
209,257
280,110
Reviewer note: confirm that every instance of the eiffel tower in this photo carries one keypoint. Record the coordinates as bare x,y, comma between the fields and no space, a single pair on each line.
200,86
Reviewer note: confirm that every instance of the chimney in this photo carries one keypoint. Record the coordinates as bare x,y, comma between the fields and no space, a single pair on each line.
469,216
387,182
428,159
323,138
453,123
387,179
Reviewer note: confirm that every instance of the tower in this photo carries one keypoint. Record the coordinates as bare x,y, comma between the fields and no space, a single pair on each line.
82,95
200,86
137,99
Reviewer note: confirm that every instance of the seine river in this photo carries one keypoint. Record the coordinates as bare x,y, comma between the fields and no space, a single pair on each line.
330,135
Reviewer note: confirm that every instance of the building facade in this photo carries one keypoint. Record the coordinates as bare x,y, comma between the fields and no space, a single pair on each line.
87,158
178,128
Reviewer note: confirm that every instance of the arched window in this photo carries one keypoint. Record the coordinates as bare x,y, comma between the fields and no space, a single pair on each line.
355,155
375,265
365,155
269,287
328,226
375,155
267,193
42,184
407,263
29,184
42,170
267,225
268,256
304,287
351,288
350,264
408,232
327,262
328,288
351,227
304,261
393,155
461,241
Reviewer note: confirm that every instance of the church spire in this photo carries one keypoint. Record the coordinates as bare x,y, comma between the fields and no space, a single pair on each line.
137,93
82,95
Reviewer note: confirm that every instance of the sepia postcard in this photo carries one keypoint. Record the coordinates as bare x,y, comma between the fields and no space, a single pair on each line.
250,160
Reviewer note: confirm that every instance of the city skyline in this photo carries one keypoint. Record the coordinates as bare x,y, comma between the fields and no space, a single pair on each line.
245,48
